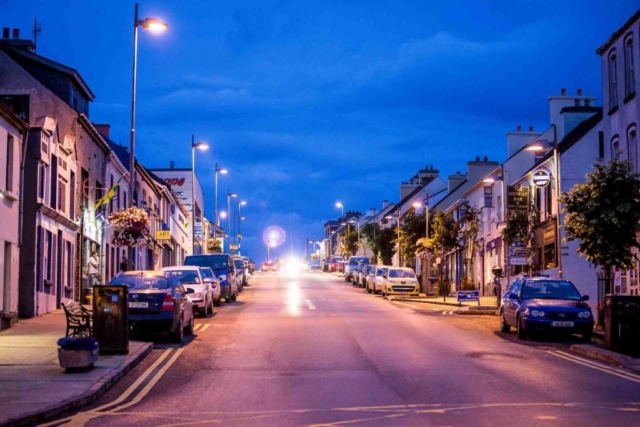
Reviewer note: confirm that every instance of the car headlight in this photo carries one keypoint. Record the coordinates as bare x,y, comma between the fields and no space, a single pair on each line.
584,314
196,295
534,313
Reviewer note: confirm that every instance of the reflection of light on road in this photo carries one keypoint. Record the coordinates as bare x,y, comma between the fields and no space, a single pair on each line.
293,298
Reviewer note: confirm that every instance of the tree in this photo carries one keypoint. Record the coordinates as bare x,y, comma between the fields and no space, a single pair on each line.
445,239
314,256
214,246
470,228
349,242
519,227
412,229
604,215
383,245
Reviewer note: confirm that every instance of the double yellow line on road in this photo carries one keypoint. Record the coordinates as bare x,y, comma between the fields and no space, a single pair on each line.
81,418
597,366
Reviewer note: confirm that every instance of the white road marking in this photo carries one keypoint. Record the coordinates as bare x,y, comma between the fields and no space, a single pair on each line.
448,313
310,305
204,328
603,368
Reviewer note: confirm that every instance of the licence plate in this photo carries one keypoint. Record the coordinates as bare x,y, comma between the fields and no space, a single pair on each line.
138,305
562,324
403,293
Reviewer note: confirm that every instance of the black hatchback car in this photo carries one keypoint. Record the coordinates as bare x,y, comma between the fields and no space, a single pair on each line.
158,303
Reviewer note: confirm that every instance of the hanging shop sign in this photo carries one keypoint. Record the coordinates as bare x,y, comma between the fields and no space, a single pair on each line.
518,197
541,178
488,196
163,235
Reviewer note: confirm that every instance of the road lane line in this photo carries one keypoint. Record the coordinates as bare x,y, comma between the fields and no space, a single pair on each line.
126,393
599,364
204,328
198,326
597,367
310,305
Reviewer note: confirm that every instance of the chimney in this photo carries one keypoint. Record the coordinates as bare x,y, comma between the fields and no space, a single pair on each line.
454,181
385,203
530,128
104,130
172,165
5,32
579,92
563,92
519,129
16,33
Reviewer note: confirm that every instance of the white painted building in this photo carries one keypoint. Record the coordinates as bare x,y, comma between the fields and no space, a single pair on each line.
620,56
12,133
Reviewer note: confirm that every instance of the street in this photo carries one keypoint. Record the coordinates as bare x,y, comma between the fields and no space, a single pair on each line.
312,350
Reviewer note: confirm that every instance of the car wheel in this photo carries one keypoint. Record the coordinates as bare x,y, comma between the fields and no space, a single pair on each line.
586,337
234,297
218,302
519,329
178,335
227,299
189,330
504,326
368,290
346,278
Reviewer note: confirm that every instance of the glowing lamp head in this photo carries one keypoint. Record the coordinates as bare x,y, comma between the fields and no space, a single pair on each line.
154,25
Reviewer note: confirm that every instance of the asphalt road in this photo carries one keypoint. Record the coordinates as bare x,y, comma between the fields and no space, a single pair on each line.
313,351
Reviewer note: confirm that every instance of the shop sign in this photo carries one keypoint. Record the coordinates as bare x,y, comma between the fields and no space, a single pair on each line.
488,196
518,197
163,235
541,178
518,261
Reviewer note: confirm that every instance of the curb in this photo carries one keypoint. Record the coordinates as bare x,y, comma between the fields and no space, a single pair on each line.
89,396
478,312
451,304
607,356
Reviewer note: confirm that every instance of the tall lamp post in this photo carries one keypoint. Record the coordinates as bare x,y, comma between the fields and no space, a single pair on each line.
229,196
240,218
199,146
426,217
215,215
151,24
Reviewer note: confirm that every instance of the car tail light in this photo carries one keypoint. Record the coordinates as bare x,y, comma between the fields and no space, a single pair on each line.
167,303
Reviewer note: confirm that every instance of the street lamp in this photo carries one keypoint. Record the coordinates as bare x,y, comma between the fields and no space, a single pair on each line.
398,229
199,146
542,145
341,206
154,25
229,196
426,213
215,214
240,218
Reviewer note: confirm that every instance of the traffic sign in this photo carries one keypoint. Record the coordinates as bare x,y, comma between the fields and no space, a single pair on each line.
163,235
468,295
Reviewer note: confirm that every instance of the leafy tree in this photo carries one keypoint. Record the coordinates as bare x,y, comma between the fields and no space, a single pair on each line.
383,245
604,215
214,246
444,239
470,228
519,227
315,256
412,229
349,243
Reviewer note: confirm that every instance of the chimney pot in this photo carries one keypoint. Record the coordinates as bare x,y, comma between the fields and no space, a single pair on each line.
486,159
16,33
477,158
172,164
563,92
5,32
519,128
579,92
530,128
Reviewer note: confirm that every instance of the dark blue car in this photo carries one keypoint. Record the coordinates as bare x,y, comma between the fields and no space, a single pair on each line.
223,268
540,304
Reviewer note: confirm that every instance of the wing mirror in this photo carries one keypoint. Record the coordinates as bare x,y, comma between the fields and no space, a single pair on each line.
585,297
190,291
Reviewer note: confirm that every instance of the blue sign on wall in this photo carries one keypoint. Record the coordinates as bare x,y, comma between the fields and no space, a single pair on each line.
468,296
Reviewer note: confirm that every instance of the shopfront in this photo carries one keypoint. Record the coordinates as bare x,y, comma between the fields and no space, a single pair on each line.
545,243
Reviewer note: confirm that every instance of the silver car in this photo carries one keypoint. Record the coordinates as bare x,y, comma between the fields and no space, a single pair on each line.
375,281
192,278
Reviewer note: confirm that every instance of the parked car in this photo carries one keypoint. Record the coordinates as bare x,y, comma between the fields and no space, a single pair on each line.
269,266
540,304
215,285
222,266
366,271
352,264
158,303
376,280
239,273
400,281
192,278
332,263
356,274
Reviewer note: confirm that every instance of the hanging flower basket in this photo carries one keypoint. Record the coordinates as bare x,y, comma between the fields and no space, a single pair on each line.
130,228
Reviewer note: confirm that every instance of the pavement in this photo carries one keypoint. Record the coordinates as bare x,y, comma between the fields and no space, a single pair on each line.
34,387
312,350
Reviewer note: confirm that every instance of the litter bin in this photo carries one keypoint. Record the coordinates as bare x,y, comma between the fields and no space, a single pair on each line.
622,324
111,318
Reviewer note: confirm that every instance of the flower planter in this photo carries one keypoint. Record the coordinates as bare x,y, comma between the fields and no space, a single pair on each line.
77,353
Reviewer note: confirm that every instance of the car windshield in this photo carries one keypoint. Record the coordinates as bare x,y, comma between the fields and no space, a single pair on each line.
215,262
382,271
238,264
142,282
206,272
550,289
356,261
402,273
187,276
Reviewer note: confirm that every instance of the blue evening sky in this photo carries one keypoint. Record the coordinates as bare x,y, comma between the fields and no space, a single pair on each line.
311,102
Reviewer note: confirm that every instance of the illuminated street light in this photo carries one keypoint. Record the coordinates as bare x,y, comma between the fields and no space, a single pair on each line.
223,171
200,146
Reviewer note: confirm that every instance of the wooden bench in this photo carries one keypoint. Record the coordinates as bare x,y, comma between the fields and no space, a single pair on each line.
78,320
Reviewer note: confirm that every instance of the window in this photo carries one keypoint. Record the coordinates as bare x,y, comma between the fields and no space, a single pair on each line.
84,186
629,78
69,263
601,145
548,201
613,81
42,181
110,187
632,147
48,265
99,191
72,197
62,194
18,104
9,171
53,199
615,147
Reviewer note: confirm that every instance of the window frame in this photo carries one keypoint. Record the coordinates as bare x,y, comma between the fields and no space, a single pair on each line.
612,65
629,76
